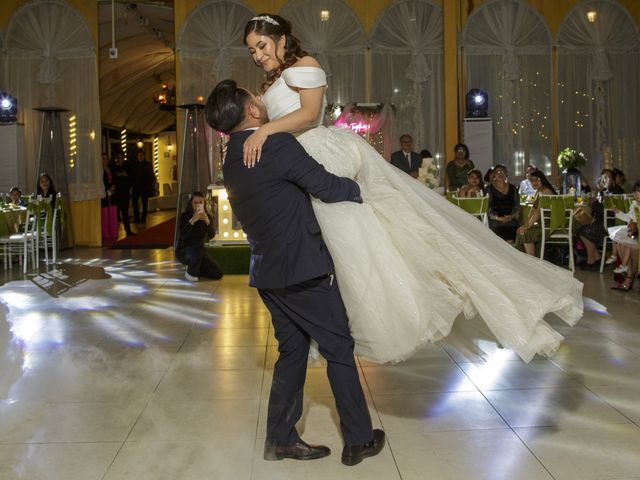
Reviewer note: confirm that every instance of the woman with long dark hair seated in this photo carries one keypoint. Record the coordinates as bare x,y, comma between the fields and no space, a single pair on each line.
46,190
196,227
504,205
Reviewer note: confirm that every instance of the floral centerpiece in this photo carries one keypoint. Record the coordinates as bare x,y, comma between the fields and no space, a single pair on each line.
570,161
429,173
570,158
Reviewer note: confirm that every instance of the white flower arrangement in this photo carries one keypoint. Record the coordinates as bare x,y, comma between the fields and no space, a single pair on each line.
429,173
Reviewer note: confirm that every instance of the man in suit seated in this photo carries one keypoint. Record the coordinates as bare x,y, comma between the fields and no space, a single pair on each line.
406,159
293,272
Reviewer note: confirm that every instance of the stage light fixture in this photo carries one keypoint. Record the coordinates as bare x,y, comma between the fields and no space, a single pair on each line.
8,108
477,103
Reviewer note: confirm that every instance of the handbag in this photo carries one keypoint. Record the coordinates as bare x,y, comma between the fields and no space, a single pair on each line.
582,216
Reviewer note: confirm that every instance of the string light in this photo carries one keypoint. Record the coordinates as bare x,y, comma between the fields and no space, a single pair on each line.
123,142
156,157
72,141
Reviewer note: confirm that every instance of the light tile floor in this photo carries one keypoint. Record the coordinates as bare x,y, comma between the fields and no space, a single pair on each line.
134,373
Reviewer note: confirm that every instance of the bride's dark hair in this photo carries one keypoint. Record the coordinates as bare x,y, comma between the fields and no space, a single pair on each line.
274,26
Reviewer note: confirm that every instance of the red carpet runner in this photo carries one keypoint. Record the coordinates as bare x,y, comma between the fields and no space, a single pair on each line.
159,236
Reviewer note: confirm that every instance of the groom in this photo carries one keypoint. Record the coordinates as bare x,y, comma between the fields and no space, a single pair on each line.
293,272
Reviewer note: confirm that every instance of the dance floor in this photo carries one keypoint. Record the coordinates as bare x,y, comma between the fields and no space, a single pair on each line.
131,372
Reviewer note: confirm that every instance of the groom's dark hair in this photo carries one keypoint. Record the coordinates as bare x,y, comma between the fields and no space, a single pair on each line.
225,106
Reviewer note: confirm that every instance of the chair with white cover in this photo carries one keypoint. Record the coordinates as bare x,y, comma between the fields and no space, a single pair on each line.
23,243
556,219
48,229
476,206
612,203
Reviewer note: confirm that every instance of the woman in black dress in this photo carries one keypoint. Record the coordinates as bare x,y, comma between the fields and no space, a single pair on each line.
196,226
504,205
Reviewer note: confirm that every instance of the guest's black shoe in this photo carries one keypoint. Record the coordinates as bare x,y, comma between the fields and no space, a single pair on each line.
298,451
354,454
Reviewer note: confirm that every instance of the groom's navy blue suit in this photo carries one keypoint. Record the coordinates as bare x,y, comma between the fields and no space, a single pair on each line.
293,271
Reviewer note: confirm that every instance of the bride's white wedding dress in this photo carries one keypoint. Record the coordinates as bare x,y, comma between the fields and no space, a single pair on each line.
409,262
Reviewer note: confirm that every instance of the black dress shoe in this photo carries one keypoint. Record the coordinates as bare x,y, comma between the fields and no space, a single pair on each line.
298,451
354,454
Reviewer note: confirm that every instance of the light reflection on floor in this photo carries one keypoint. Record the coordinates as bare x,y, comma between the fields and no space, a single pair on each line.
125,364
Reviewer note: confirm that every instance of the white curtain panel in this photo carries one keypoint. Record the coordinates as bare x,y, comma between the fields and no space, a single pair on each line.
210,49
507,53
407,64
598,75
330,31
50,61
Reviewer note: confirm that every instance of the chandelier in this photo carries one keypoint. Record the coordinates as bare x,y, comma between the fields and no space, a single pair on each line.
166,97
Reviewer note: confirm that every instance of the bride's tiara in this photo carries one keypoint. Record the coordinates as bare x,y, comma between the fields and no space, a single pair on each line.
265,18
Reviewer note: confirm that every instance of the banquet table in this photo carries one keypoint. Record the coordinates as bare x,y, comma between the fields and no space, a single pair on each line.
11,219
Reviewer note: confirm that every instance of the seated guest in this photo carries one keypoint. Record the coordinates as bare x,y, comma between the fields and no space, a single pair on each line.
424,153
16,197
620,179
607,184
593,233
525,185
196,227
530,232
458,168
625,239
46,190
488,178
504,205
406,159
474,186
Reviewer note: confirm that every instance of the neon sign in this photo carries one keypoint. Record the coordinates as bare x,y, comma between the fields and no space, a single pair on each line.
358,127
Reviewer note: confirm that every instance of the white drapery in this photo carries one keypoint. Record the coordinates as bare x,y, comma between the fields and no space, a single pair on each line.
598,75
210,49
336,39
507,53
407,70
50,61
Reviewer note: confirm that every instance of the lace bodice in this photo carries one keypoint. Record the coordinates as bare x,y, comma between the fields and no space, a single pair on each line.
282,97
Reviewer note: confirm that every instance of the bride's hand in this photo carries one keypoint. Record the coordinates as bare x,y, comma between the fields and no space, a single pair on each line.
253,147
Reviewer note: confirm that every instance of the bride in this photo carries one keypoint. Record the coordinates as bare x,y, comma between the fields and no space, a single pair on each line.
408,261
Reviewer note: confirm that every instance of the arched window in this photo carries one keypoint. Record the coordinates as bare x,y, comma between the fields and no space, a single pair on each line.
407,47
210,49
598,75
330,31
506,47
51,62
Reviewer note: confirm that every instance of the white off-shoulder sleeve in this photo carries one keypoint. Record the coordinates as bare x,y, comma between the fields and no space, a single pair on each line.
304,77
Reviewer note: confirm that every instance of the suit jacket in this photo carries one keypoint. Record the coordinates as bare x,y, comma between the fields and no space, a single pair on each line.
272,202
399,160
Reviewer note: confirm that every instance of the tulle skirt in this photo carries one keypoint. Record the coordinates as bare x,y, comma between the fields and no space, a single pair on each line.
409,263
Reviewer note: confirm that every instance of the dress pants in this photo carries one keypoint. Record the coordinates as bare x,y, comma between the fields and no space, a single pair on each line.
313,310
123,209
136,198
198,263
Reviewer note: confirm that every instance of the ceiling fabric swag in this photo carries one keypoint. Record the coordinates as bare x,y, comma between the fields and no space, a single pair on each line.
507,52
48,43
410,33
596,61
